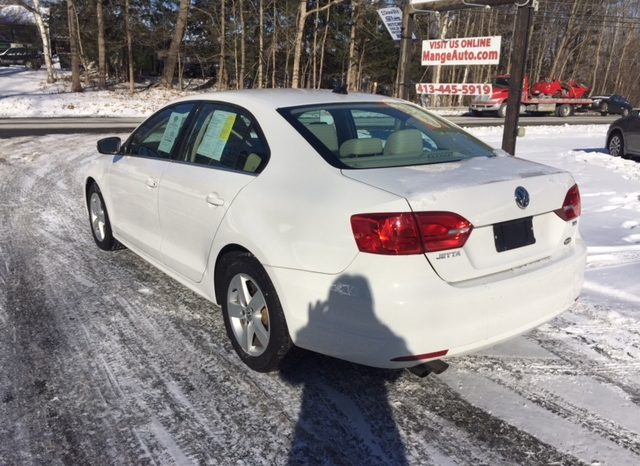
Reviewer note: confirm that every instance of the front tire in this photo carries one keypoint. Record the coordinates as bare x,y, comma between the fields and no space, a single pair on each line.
564,110
99,220
502,111
616,145
253,315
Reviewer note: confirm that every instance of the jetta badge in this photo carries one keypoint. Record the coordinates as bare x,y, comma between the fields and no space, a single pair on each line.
522,197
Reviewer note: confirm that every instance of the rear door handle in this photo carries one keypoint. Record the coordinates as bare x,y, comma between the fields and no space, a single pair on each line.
152,182
214,199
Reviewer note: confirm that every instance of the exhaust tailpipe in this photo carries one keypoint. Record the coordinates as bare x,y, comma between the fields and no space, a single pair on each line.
436,366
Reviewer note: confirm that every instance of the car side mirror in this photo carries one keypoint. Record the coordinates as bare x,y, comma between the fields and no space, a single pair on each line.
109,145
635,113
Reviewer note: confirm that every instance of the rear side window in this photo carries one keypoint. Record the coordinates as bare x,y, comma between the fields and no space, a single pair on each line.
226,137
382,134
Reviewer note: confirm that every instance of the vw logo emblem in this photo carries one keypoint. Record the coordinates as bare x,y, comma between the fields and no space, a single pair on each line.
522,197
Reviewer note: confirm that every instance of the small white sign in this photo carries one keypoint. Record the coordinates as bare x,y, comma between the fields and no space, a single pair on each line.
454,89
462,51
392,19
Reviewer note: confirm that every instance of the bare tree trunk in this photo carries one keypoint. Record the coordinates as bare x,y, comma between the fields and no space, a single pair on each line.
43,30
274,46
560,55
235,48
261,44
594,76
302,16
297,54
176,41
314,57
127,28
73,47
612,53
322,49
243,46
102,61
352,61
221,82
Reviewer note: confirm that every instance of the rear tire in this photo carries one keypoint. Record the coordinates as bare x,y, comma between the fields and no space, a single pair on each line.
564,110
99,220
604,109
615,145
625,112
253,315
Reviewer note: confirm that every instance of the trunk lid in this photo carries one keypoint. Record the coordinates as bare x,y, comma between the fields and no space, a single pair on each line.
482,190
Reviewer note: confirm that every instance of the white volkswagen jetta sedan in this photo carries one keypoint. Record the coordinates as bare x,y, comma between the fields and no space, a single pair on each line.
357,226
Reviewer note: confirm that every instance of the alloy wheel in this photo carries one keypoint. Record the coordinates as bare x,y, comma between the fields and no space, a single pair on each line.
98,218
248,314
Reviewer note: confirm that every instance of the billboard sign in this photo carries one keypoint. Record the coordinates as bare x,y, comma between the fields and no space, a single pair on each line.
462,51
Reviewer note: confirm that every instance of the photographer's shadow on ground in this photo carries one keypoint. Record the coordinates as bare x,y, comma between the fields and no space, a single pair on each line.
345,416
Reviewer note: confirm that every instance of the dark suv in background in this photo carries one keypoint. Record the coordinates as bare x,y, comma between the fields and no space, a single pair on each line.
29,57
612,104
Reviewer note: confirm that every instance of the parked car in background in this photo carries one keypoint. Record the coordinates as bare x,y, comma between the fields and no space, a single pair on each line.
623,137
358,226
18,55
612,104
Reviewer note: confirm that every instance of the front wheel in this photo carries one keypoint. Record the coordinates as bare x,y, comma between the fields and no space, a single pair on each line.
564,110
252,313
502,111
99,219
616,145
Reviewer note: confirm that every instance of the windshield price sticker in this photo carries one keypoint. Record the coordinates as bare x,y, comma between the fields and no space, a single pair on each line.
454,89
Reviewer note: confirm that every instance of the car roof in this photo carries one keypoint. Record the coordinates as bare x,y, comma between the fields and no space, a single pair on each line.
279,98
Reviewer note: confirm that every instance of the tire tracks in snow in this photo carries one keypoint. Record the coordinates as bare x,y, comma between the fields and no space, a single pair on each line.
139,371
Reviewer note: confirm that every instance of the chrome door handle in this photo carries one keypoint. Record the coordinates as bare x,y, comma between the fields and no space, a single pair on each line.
152,182
214,199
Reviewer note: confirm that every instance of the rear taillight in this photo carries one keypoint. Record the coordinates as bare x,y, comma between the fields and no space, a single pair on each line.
408,233
386,233
571,207
443,230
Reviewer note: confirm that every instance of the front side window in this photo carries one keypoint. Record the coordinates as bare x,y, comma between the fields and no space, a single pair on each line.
382,134
226,137
158,137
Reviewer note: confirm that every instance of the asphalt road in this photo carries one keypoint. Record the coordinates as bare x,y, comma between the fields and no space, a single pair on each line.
105,360
14,127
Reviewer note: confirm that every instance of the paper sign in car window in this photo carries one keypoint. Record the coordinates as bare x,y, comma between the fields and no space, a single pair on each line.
171,131
217,134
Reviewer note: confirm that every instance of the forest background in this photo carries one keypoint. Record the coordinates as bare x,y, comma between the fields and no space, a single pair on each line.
235,44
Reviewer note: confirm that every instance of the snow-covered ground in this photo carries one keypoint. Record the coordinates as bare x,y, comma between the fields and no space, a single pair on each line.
25,93
105,360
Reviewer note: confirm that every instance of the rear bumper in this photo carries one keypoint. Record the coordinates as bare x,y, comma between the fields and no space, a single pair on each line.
383,308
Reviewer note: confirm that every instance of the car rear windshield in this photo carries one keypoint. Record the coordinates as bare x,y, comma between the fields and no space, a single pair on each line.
382,134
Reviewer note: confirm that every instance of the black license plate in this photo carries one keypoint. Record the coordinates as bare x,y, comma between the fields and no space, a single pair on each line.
513,234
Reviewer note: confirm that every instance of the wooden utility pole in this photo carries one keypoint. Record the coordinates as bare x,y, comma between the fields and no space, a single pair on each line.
518,62
406,33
